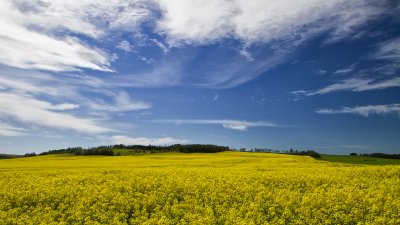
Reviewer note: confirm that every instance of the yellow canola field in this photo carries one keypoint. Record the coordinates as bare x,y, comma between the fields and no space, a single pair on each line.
222,188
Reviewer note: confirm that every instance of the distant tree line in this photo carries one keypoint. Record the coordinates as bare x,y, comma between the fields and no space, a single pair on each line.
197,148
311,153
108,150
379,155
30,154
9,156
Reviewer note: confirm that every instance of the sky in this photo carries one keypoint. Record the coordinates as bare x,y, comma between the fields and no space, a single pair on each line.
309,74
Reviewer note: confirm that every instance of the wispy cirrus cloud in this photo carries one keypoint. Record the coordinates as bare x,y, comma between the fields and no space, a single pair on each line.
122,102
9,130
258,21
280,25
354,85
26,48
364,110
33,112
240,125
357,146
125,46
122,139
59,32
388,50
45,35
60,102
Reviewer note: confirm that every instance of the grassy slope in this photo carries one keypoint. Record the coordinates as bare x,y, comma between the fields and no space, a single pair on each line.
240,160
359,160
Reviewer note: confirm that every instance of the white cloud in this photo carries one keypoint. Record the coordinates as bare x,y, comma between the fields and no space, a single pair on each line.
27,110
215,98
125,46
389,50
357,146
9,130
262,21
160,45
26,48
64,106
69,88
122,102
240,125
88,17
41,102
346,70
55,29
353,84
121,139
41,34
165,73
343,71
279,25
364,110
20,83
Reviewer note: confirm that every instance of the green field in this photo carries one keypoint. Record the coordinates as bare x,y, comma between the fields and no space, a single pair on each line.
196,188
360,160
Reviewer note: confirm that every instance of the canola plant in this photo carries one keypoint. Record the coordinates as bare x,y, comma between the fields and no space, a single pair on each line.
223,188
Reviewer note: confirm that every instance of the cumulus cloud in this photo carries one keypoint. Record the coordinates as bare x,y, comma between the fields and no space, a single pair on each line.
353,84
364,110
239,125
122,139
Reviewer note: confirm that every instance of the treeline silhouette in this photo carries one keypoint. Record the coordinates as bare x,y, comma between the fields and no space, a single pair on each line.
382,155
101,150
311,153
9,156
108,150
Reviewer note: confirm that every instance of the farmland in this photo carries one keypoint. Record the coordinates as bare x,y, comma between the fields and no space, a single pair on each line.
197,188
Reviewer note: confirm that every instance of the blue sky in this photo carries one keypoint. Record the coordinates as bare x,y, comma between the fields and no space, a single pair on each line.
309,74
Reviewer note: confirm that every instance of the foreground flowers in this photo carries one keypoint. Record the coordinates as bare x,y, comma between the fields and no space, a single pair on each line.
200,195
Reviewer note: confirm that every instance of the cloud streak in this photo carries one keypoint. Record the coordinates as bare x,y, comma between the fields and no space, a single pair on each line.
122,103
239,125
30,111
9,130
122,139
389,50
262,21
365,110
56,30
354,85
28,49
37,100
